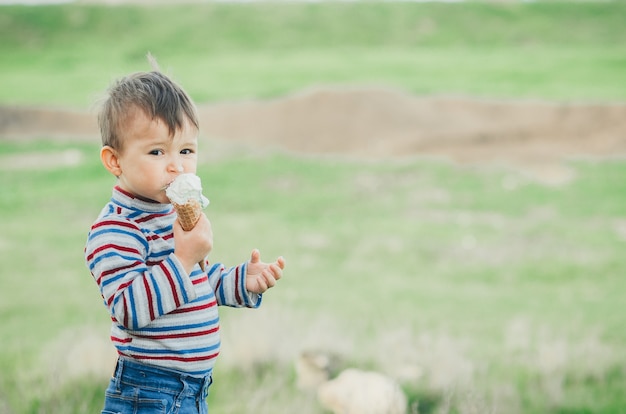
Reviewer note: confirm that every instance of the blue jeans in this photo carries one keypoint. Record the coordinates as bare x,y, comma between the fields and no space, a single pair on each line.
138,388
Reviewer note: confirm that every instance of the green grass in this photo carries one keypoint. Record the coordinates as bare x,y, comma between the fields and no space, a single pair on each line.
67,54
500,295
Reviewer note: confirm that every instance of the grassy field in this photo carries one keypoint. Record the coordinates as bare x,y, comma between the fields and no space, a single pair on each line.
480,289
472,285
66,55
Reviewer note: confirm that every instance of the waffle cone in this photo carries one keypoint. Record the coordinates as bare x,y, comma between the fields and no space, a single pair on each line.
188,215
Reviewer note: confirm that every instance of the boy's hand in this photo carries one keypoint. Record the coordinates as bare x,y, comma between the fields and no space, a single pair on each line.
261,276
194,245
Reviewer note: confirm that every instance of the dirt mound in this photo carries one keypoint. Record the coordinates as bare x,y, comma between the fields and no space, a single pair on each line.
377,123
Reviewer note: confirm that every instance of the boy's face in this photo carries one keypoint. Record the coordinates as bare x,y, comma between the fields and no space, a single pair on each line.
150,158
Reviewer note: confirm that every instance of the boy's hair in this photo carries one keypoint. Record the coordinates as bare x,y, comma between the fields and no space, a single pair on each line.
151,92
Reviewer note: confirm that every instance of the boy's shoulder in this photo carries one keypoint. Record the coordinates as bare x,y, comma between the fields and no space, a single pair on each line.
113,216
116,214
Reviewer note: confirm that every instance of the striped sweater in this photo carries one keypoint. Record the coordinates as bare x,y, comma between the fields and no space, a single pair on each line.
161,315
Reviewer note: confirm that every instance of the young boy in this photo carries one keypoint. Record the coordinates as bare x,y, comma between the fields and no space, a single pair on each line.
163,307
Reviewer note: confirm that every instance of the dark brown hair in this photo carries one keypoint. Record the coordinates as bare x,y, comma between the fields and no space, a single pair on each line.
151,92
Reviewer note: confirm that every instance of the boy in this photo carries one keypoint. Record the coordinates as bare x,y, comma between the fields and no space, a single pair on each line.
163,307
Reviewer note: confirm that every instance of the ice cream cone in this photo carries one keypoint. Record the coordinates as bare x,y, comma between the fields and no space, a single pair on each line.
185,194
188,213
188,216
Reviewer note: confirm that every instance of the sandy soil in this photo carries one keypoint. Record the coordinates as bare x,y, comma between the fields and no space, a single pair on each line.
382,123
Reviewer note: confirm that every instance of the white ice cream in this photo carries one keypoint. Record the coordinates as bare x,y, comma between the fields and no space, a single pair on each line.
184,188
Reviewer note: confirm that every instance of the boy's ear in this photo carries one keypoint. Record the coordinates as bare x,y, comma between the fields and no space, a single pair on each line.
110,160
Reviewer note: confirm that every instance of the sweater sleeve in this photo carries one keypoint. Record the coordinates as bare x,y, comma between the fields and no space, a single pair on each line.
229,286
135,293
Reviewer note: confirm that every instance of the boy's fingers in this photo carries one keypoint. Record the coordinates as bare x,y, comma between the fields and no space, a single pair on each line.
276,271
262,285
255,257
270,279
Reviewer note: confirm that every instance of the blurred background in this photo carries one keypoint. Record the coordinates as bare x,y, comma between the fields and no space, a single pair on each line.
446,180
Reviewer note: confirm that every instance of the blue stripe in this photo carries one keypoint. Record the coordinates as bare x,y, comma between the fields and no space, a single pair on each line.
169,351
163,230
221,293
116,201
179,278
196,272
242,284
131,299
135,214
115,300
181,327
258,302
112,279
157,292
115,254
203,298
159,256
111,229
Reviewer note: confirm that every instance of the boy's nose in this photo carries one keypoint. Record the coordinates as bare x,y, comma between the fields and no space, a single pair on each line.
176,166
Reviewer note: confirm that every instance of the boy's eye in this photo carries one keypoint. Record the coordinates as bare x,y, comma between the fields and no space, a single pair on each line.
186,151
156,152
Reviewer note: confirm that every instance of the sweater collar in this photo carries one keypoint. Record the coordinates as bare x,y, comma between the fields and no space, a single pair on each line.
125,199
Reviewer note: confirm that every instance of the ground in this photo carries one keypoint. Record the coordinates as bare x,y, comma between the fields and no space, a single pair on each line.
377,122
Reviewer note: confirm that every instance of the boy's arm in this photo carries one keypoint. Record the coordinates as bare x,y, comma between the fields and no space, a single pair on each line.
243,285
229,286
135,292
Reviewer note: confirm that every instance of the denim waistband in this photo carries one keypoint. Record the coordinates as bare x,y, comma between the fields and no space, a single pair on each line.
166,380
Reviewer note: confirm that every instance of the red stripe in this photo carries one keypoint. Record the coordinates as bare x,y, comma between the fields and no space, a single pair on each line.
237,295
173,358
219,279
204,278
172,284
113,247
126,193
149,217
116,270
120,223
119,289
124,285
125,311
195,308
165,236
121,340
181,335
149,296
